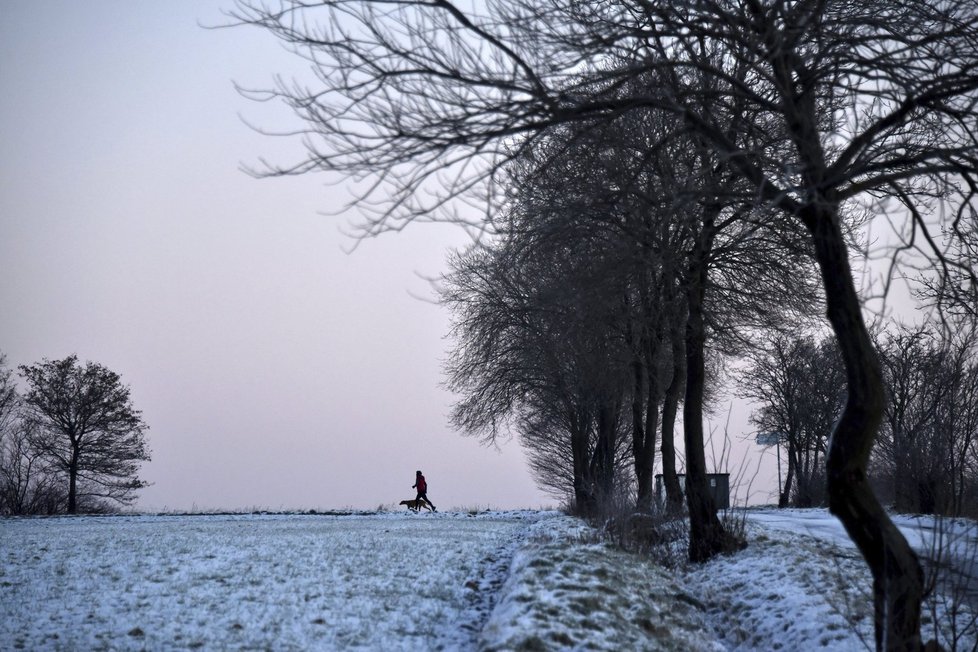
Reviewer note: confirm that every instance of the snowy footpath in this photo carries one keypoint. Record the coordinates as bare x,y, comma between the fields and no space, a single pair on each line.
802,585
519,580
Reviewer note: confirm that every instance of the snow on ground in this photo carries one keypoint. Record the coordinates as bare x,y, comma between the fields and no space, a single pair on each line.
392,581
787,591
400,581
569,590
396,581
802,585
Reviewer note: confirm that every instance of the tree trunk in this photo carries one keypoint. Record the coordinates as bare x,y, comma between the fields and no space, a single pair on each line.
643,469
583,492
904,497
602,466
897,576
73,486
645,460
707,536
670,408
785,496
651,428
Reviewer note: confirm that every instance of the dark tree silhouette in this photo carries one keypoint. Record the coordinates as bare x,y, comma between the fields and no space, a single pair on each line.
930,428
8,394
538,344
83,422
799,385
28,484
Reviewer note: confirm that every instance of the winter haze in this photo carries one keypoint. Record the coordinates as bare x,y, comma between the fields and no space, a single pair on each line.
274,369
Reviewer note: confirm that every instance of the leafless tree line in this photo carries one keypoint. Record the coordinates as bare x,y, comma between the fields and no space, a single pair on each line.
797,116
589,275
926,457
799,384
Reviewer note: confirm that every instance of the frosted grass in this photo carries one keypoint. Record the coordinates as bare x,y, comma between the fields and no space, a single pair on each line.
397,581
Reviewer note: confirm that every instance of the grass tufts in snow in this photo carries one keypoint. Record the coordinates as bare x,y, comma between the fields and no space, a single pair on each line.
569,588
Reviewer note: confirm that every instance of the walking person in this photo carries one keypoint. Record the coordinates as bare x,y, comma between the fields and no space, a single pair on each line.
422,486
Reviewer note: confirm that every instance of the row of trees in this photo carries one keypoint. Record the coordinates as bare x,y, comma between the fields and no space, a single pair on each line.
786,119
572,324
799,384
72,442
926,458
928,450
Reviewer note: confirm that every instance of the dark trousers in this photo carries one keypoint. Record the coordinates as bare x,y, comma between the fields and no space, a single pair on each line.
424,496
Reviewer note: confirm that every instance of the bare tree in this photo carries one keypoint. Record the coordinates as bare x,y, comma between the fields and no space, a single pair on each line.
931,418
8,394
876,99
799,385
616,195
28,485
28,482
846,103
537,344
83,423
592,189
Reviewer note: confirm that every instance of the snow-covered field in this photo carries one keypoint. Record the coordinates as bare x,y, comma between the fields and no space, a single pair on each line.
518,580
251,581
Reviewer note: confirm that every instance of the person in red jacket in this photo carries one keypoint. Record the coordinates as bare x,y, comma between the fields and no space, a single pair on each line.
422,487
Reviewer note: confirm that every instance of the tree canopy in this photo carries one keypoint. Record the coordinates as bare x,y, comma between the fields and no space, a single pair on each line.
84,423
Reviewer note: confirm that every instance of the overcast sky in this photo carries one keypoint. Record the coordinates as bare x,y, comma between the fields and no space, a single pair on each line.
273,369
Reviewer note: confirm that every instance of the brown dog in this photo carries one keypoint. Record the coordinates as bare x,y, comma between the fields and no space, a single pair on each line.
416,505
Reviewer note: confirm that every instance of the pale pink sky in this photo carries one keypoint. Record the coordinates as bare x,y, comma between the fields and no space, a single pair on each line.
274,370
